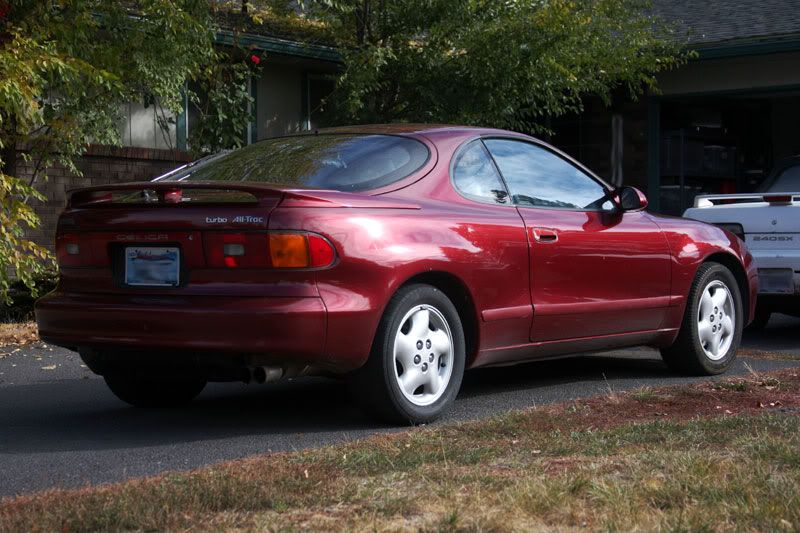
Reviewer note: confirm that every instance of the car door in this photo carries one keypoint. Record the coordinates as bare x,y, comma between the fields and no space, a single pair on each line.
499,280
594,270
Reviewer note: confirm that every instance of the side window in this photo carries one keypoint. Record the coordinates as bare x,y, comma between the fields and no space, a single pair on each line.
539,178
475,176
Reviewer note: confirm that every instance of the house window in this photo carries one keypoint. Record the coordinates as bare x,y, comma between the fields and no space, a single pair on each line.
317,109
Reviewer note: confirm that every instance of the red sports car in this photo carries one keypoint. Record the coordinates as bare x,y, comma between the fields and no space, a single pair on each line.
397,256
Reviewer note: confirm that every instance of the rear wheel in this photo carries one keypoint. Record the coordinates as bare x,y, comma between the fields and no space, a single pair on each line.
417,362
712,324
142,391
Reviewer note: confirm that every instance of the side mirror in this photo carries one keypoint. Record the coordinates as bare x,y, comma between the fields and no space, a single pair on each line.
631,199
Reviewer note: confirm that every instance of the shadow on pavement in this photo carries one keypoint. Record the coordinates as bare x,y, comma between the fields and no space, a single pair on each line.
781,334
79,414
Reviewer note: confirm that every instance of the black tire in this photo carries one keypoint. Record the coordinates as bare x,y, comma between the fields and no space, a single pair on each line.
687,355
376,385
154,392
761,318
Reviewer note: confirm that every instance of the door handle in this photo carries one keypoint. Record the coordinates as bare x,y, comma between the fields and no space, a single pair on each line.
545,235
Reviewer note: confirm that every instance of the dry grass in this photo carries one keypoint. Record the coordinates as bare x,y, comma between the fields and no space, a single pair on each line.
713,456
18,333
762,354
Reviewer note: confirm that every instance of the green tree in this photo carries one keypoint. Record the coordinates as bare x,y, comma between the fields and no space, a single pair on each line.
503,63
220,93
66,68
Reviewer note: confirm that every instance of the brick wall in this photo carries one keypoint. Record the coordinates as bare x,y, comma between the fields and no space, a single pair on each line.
100,165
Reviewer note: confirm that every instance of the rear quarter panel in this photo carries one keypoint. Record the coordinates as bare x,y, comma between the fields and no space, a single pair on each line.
380,249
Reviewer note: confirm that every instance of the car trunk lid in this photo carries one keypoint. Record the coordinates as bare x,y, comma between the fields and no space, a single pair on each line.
195,237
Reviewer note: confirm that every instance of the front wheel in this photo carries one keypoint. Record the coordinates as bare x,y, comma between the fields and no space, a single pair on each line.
154,392
417,362
712,324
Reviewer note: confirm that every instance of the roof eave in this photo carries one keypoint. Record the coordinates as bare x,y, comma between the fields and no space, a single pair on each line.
285,47
749,47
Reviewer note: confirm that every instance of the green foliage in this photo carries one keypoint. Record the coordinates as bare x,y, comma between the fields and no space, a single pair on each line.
509,63
23,295
66,69
221,96
28,259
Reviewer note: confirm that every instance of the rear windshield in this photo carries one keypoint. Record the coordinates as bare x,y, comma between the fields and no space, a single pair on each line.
342,162
789,181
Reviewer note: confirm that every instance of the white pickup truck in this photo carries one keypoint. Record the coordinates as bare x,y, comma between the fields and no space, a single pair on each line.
769,223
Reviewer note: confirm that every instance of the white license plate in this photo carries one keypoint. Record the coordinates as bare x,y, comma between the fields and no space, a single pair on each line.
152,266
775,281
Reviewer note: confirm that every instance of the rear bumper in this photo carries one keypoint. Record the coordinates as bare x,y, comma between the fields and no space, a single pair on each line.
269,328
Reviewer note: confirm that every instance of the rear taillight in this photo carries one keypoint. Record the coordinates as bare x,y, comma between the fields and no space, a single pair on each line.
70,253
734,228
267,250
321,252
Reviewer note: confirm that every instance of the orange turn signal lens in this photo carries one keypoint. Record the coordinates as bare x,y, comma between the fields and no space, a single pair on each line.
288,250
280,249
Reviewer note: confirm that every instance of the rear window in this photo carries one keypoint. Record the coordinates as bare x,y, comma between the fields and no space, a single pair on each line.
342,162
788,181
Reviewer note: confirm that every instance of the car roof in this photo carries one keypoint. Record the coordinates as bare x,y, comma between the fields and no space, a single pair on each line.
409,128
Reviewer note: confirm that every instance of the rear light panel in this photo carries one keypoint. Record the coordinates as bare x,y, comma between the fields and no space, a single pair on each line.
74,250
236,250
71,252
279,250
733,227
220,249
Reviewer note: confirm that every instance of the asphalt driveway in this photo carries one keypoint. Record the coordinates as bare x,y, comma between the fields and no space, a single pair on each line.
61,427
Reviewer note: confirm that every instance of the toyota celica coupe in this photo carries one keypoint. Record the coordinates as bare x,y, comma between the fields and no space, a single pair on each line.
395,256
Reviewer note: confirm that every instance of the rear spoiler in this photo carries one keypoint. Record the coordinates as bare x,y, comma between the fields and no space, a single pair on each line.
154,193
170,192
776,198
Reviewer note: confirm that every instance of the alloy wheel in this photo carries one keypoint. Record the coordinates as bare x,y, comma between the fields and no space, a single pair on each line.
716,319
423,355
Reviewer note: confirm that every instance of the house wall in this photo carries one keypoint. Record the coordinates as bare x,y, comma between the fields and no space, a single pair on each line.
101,165
768,76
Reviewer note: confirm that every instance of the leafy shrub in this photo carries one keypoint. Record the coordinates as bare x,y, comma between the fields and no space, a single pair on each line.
22,297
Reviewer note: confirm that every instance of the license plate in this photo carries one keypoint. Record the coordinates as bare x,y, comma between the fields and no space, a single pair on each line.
775,281
152,266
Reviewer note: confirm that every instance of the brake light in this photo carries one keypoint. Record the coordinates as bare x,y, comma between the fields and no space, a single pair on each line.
778,198
270,250
171,196
320,251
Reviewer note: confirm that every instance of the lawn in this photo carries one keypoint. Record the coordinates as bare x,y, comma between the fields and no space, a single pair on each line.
717,456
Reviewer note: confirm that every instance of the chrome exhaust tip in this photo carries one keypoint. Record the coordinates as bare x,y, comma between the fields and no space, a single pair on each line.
267,374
